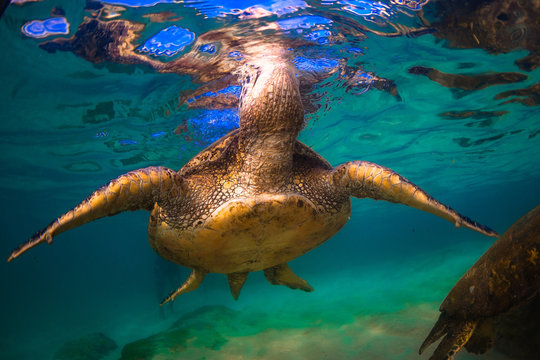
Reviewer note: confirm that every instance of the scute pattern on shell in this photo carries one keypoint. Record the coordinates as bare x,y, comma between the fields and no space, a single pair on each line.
212,177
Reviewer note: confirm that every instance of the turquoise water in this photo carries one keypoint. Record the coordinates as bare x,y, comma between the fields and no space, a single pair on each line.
69,125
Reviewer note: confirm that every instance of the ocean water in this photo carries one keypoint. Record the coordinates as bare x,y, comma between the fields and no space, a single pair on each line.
70,122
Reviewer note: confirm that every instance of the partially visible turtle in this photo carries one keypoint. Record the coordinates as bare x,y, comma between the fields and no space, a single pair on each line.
255,199
507,275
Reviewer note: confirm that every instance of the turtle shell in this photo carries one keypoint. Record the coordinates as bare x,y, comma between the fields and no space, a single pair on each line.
224,151
507,275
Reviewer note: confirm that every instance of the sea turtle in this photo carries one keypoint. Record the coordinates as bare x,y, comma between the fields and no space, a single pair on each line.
507,275
253,200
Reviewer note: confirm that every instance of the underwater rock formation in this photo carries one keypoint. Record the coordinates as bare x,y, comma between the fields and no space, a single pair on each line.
172,342
89,347
199,329
294,332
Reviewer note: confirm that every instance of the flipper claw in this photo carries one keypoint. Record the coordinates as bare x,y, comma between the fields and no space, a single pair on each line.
38,238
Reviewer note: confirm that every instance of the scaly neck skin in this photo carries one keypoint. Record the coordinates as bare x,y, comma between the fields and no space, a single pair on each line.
271,116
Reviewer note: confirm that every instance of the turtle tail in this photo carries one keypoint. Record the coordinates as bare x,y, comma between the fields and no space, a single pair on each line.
458,333
363,179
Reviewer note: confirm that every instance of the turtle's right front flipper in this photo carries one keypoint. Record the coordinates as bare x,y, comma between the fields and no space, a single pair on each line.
139,189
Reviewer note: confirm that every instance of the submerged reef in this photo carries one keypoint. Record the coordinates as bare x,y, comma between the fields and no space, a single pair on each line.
218,332
89,347
199,329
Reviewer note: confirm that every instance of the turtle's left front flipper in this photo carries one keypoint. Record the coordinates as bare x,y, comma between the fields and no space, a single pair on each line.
363,179
139,189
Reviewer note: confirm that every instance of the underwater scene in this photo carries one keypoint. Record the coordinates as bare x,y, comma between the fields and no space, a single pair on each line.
323,130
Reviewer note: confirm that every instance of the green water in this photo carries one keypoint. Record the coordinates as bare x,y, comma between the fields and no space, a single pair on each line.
378,283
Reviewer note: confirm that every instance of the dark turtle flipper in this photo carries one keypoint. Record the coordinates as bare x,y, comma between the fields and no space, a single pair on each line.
139,189
193,281
363,179
438,330
236,282
283,275
455,339
482,338
457,331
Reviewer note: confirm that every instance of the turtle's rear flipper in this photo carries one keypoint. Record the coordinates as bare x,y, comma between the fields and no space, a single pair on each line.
139,189
236,282
363,179
194,280
283,275
458,333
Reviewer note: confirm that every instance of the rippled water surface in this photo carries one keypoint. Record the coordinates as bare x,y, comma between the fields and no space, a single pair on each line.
444,92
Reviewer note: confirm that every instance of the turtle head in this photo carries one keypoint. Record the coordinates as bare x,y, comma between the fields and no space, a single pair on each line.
270,101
